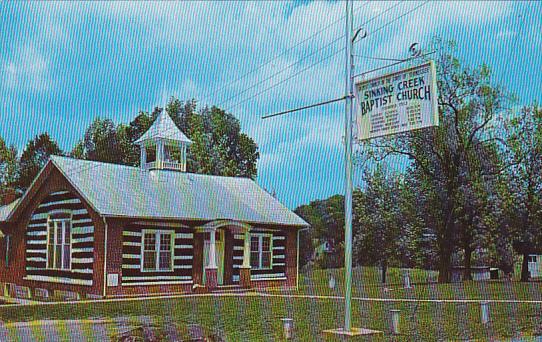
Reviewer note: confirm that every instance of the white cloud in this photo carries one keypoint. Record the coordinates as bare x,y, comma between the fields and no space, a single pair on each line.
28,69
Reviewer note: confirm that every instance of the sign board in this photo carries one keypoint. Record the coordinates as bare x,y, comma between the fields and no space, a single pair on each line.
112,279
398,102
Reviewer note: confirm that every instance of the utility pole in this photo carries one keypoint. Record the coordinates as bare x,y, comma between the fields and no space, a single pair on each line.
351,37
349,90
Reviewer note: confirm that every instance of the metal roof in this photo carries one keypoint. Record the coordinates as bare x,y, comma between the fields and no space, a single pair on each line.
7,209
164,128
118,190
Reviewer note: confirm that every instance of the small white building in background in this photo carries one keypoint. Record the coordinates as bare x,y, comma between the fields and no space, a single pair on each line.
535,265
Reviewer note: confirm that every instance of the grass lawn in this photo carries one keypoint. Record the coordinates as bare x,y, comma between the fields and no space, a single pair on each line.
366,283
253,318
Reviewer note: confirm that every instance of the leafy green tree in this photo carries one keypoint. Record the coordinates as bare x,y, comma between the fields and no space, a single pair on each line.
8,172
78,150
34,157
219,147
181,113
307,237
377,217
416,246
326,218
456,157
503,225
525,140
101,142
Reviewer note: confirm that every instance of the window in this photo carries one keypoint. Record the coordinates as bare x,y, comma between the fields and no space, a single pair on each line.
157,251
59,254
151,153
260,251
532,258
8,246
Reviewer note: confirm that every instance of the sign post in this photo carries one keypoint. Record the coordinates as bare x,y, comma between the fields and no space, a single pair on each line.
349,109
399,102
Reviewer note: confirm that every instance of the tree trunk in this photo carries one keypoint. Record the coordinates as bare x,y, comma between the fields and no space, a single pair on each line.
525,268
384,267
444,268
467,264
446,243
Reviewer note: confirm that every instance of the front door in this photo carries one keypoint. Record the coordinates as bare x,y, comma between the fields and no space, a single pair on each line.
219,241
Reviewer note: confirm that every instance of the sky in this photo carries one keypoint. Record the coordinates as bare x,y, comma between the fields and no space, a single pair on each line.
64,64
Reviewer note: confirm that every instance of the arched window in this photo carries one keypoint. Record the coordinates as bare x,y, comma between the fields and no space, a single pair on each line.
59,228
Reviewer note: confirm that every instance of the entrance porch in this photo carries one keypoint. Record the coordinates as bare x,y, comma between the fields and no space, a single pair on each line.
222,257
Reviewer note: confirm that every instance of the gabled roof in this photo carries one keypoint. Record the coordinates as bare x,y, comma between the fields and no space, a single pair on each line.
6,210
125,191
164,128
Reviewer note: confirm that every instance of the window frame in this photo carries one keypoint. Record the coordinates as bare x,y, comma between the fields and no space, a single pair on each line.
7,242
157,251
52,218
260,237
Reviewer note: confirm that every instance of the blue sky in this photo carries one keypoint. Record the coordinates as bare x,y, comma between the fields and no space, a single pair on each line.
64,64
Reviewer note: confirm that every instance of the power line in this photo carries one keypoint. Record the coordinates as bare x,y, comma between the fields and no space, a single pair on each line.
221,88
327,57
401,16
305,57
285,80
279,72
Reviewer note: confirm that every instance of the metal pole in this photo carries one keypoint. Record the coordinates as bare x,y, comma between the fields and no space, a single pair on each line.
348,170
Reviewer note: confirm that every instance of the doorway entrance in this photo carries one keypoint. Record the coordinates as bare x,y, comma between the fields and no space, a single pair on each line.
219,244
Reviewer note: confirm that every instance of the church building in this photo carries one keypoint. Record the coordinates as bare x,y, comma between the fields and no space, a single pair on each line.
100,230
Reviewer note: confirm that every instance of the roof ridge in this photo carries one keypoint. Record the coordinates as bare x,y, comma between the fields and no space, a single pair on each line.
139,168
53,157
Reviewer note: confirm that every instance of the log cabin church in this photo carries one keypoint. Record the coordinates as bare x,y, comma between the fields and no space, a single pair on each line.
106,230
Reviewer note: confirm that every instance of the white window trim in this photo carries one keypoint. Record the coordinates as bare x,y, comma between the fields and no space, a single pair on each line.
260,237
156,233
49,219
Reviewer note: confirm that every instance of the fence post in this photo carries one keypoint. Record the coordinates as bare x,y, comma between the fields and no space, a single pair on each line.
406,279
484,312
288,327
395,321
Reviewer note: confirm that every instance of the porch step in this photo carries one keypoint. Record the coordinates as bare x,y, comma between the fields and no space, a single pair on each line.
230,288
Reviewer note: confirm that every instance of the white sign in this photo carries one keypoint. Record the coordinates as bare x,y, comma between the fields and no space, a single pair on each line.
112,279
399,102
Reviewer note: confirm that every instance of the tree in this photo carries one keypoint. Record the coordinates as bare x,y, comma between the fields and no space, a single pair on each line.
8,172
525,140
503,225
326,218
416,246
100,143
219,147
306,246
34,157
452,160
377,221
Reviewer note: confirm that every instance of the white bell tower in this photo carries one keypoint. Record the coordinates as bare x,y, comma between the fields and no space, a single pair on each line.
163,146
